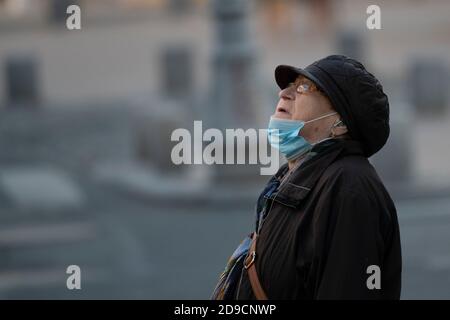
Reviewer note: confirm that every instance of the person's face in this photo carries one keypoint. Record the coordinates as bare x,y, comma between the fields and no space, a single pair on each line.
302,100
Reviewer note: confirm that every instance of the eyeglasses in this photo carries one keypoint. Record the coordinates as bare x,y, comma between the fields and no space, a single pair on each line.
303,86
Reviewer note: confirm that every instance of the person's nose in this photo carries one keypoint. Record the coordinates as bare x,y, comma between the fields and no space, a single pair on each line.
286,94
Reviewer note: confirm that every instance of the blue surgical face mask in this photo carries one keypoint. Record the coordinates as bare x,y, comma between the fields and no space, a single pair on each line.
284,134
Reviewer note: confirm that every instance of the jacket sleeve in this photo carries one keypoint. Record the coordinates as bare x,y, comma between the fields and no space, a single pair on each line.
351,249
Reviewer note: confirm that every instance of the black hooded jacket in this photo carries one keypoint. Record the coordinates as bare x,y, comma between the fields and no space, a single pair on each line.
330,226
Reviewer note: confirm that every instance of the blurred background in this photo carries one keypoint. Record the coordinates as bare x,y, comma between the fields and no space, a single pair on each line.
86,118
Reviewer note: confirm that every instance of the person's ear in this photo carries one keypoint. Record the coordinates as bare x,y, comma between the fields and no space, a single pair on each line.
339,131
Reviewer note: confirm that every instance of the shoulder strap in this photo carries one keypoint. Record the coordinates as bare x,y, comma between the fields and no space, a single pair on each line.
249,264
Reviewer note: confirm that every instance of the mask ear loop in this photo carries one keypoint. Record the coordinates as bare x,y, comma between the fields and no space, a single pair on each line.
321,117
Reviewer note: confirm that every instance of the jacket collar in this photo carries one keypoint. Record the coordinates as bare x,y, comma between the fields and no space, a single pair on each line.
304,178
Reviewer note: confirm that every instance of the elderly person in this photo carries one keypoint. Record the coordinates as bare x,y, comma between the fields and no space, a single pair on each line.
326,227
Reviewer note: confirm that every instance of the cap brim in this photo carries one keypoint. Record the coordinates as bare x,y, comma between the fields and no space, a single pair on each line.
285,74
